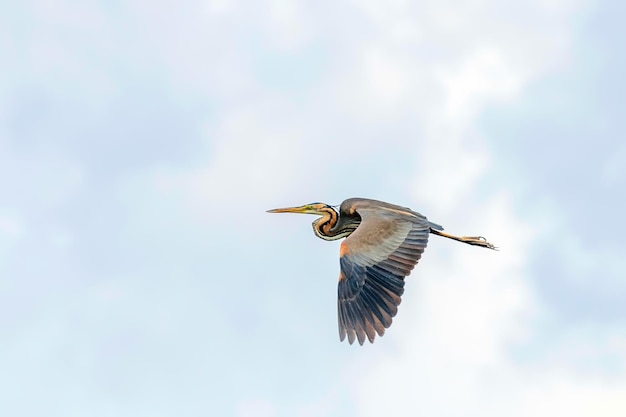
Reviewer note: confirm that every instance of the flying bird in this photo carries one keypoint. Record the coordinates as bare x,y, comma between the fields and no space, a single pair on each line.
383,244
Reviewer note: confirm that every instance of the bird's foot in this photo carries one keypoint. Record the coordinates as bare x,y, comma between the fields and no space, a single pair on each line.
478,241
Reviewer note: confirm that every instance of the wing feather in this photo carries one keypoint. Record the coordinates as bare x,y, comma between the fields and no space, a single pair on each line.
374,261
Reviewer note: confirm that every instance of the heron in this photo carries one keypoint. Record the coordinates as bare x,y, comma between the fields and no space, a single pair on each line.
383,243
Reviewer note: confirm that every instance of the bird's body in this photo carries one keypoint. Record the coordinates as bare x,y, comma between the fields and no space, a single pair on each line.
383,244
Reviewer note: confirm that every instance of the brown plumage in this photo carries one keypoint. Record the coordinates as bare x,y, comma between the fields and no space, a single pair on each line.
383,244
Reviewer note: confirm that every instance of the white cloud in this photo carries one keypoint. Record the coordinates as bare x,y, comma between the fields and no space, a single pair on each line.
10,225
455,330
557,393
427,70
218,7
473,306
484,77
450,350
288,25
256,408
255,153
614,171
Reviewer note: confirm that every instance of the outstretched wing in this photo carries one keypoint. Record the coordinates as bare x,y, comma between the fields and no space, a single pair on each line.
374,260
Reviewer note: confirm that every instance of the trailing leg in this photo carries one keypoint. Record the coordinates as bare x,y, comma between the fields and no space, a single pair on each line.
470,240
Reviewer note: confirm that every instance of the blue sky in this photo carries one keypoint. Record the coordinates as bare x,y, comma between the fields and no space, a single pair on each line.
141,143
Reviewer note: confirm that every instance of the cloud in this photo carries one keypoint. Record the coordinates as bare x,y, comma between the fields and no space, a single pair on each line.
614,171
476,309
484,77
288,104
10,225
251,147
256,408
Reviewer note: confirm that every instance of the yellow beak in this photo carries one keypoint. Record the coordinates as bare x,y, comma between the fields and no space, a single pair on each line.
306,209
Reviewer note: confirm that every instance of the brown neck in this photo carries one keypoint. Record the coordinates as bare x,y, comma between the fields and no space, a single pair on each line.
331,227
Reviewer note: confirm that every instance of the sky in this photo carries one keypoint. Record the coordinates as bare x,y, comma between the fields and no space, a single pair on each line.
141,143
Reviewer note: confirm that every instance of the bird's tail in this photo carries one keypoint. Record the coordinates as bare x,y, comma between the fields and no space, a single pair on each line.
470,240
434,226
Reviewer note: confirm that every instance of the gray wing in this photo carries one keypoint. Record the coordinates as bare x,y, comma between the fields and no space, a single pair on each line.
374,261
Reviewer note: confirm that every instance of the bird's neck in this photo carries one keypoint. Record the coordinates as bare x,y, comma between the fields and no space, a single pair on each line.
330,227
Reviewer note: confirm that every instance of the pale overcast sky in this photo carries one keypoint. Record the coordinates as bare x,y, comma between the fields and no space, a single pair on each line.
142,141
